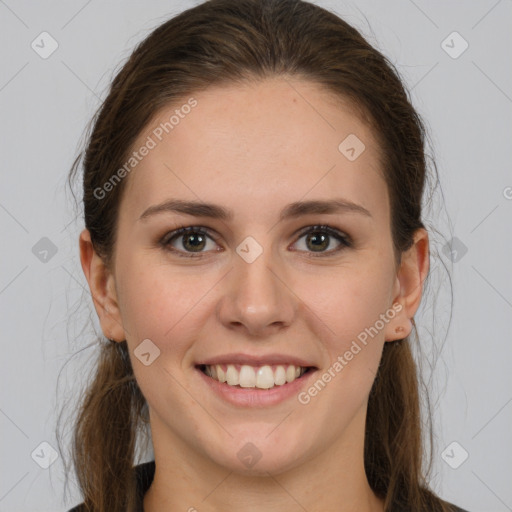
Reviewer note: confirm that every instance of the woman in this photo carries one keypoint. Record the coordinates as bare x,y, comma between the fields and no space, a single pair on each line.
255,251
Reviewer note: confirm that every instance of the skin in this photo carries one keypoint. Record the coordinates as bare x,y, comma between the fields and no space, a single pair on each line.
254,149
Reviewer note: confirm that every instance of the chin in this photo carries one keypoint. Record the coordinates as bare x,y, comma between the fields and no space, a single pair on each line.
260,454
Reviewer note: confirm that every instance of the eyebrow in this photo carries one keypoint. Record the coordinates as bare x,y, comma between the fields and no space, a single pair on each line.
292,210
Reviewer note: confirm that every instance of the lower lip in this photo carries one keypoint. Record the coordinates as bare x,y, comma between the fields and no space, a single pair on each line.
255,397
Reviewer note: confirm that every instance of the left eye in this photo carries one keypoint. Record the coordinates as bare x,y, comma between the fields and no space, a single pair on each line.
194,239
319,237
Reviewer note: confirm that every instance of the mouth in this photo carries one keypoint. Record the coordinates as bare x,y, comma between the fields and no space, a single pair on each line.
266,376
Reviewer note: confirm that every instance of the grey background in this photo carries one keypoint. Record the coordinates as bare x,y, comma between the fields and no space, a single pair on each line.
45,105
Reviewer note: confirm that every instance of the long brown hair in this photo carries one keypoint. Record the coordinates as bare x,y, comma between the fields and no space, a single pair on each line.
232,41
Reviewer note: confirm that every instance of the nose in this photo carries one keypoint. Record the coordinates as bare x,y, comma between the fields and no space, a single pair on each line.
256,298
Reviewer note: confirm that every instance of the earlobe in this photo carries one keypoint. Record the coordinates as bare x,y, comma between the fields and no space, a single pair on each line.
409,284
401,331
102,288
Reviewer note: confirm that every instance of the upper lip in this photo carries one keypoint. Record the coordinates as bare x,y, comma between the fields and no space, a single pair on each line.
256,360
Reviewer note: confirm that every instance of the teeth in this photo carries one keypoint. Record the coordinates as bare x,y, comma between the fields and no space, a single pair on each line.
247,377
232,376
280,376
262,377
221,374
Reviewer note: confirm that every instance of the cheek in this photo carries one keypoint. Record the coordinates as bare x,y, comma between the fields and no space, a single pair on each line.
161,304
355,308
354,298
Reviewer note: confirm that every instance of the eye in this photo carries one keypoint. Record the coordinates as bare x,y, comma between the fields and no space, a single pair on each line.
318,238
193,241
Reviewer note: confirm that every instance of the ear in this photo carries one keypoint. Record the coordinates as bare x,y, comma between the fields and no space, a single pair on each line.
408,288
102,287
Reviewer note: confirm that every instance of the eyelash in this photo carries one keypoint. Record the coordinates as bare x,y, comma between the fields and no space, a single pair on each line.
345,240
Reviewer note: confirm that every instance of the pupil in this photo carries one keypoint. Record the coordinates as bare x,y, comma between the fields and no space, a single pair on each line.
319,241
316,236
199,239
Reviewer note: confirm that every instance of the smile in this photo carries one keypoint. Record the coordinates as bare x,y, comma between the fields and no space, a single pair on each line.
247,376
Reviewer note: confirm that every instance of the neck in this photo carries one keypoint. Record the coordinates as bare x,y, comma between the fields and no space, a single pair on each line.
334,479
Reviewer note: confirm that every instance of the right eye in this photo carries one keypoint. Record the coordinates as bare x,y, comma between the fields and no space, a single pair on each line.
192,238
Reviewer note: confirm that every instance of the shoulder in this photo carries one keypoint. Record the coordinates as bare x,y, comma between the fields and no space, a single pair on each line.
144,474
452,508
78,508
455,508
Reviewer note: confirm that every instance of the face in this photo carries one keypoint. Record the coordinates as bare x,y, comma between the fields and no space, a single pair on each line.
260,289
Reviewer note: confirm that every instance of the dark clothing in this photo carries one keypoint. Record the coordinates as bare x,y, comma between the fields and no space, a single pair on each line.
145,473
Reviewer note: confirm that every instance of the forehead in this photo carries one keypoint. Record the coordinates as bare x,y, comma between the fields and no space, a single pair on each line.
255,147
